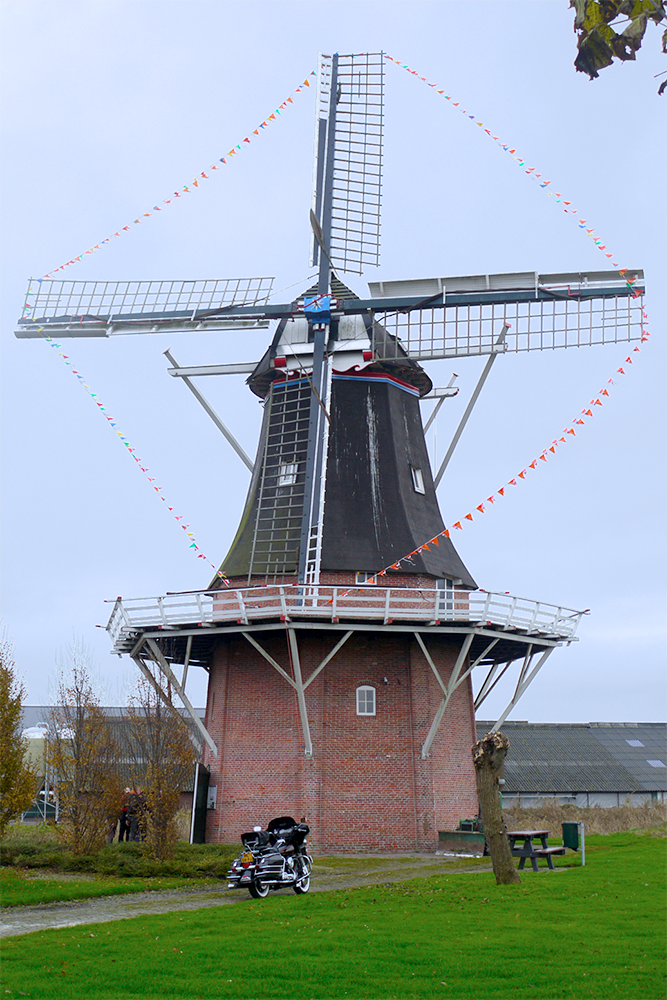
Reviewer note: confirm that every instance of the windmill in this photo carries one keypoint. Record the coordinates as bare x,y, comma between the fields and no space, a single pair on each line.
333,691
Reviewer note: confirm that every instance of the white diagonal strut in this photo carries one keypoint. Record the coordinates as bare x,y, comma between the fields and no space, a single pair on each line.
268,658
161,694
435,725
213,415
160,659
328,657
301,698
522,685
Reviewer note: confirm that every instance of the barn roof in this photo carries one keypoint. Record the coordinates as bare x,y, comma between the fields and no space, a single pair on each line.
550,758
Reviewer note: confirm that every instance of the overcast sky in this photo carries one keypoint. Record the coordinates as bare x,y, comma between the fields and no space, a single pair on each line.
111,106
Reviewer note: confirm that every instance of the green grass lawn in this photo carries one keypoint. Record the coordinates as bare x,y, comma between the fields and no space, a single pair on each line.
597,931
26,888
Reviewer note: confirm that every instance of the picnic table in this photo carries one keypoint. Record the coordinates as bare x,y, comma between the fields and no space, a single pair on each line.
534,846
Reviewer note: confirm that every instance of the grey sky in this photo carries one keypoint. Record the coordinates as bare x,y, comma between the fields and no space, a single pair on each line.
109,107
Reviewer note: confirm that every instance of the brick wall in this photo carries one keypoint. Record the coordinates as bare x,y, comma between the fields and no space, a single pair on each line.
366,785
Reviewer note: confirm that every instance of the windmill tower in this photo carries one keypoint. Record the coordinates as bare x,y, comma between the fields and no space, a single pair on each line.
342,630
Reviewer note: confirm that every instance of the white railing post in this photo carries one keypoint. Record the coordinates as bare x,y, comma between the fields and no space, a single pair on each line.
242,607
387,601
487,604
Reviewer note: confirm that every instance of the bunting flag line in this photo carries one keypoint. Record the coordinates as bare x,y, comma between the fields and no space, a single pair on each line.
546,185
196,183
588,411
190,536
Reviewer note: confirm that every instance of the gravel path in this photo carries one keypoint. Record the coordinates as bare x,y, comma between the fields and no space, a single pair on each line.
328,874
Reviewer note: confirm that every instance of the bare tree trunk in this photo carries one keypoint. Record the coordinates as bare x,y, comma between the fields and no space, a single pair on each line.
488,755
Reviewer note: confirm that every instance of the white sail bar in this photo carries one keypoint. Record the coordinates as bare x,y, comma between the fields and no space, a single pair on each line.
107,308
460,316
357,159
382,605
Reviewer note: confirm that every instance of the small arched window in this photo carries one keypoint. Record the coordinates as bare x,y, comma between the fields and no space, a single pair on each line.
365,700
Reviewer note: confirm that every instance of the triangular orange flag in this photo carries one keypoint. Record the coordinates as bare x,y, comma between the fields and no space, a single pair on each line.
468,517
457,524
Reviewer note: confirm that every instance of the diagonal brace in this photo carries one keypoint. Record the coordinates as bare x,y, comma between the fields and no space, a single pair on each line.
213,415
300,696
327,658
435,725
160,659
269,658
522,685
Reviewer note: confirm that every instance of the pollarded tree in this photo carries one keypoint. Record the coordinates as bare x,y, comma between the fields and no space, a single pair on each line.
82,755
18,782
488,755
163,753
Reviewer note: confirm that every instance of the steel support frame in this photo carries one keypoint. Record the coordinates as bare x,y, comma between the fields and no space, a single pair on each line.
470,407
525,679
526,675
158,656
435,725
213,415
297,682
138,659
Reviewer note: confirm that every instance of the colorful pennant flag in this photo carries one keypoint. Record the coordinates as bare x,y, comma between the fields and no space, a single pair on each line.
151,479
185,188
530,172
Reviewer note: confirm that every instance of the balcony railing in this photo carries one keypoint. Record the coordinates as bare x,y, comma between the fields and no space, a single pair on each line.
130,618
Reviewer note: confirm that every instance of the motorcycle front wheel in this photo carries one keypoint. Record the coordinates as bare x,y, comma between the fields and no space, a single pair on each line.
258,889
303,885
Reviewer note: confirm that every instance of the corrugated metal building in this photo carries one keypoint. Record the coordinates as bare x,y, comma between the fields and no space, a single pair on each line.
587,764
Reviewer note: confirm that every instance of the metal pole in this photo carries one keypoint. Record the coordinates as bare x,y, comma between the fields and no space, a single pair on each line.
212,414
435,725
166,669
520,689
469,407
300,696
316,427
439,404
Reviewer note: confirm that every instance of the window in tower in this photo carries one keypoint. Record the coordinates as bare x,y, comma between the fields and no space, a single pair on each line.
287,474
417,480
365,700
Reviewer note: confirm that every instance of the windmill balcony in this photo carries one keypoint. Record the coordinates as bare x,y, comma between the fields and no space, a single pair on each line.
381,605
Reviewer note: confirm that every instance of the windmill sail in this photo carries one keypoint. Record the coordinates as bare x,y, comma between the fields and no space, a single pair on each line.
353,240
105,308
459,317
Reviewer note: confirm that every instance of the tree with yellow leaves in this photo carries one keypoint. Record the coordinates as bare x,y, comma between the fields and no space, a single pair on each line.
82,755
18,782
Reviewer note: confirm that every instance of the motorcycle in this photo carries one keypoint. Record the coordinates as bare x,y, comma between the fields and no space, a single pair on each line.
275,858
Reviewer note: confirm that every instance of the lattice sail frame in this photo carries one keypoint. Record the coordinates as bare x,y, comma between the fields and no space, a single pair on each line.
552,316
104,307
357,159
